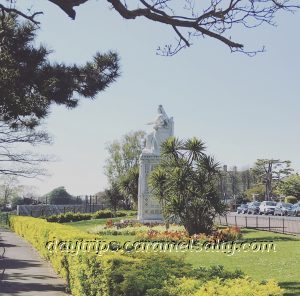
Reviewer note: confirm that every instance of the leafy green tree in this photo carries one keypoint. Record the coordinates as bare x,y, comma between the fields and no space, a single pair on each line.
59,196
8,188
114,197
122,168
270,172
186,184
17,200
290,186
12,192
128,184
247,179
123,155
291,199
257,191
30,83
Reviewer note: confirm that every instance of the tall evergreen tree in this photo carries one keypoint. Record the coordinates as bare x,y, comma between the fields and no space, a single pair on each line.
30,83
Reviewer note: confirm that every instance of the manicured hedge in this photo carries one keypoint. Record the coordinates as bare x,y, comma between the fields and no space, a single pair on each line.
133,274
85,273
69,217
218,287
108,214
244,286
73,217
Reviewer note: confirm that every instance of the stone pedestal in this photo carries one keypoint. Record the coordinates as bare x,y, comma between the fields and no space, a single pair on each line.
149,209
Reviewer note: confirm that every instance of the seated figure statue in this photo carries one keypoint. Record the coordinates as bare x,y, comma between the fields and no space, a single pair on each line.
163,129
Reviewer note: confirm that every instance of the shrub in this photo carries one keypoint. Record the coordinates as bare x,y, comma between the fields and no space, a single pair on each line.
205,274
103,214
227,234
177,287
242,286
73,217
235,287
69,217
109,223
291,199
146,275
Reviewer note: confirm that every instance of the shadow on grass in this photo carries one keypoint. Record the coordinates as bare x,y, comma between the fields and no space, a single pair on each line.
248,230
267,236
291,288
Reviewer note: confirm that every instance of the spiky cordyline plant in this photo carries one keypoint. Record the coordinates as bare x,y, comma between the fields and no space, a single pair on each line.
185,182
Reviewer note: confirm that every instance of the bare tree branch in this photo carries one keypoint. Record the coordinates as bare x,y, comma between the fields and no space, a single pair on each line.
20,13
191,18
14,160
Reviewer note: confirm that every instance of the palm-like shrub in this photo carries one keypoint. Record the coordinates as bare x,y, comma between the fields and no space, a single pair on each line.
185,182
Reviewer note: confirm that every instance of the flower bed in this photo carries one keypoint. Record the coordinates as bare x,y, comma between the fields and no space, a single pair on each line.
226,234
158,232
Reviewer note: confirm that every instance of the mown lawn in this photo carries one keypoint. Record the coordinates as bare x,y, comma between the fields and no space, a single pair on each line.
282,265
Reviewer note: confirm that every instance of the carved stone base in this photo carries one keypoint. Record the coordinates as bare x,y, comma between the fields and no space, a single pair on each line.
149,209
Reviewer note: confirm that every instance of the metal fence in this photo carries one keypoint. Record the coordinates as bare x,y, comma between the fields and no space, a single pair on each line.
48,210
271,223
4,219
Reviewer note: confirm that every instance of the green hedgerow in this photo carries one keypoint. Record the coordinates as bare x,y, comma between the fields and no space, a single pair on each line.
131,273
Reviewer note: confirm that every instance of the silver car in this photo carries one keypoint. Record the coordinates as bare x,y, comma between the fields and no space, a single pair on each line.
295,210
282,209
267,207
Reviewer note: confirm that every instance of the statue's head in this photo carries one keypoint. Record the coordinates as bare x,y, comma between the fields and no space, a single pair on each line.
160,109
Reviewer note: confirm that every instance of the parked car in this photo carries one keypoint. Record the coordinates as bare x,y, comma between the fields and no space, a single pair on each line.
290,211
242,209
282,208
253,207
267,207
295,210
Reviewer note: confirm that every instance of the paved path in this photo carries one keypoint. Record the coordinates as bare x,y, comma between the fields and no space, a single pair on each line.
23,272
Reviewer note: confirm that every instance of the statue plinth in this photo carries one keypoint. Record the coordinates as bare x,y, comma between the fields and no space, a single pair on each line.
149,208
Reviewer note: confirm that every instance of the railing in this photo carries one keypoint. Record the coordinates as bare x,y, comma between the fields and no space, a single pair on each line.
271,223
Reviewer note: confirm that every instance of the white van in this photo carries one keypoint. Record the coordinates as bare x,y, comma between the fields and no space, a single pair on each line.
267,207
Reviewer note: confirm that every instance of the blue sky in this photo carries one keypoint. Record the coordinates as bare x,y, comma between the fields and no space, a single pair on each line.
243,108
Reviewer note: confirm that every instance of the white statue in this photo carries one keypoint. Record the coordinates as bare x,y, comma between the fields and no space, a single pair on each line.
163,129
149,208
